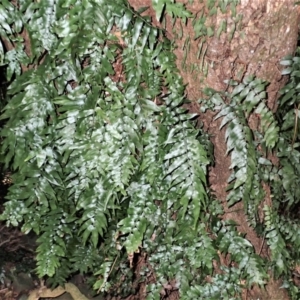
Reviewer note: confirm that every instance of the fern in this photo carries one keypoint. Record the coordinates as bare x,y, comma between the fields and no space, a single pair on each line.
245,98
94,154
286,177
250,165
276,242
224,286
108,165
282,228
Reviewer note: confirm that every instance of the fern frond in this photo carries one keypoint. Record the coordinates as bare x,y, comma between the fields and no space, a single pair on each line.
279,254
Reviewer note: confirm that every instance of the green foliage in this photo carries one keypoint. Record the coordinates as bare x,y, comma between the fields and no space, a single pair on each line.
103,172
287,181
175,10
246,97
211,20
203,23
108,166
250,147
285,228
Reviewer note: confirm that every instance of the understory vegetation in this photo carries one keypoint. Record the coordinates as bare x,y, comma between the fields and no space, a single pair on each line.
108,167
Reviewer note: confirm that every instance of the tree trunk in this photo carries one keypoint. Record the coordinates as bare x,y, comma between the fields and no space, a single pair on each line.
256,39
